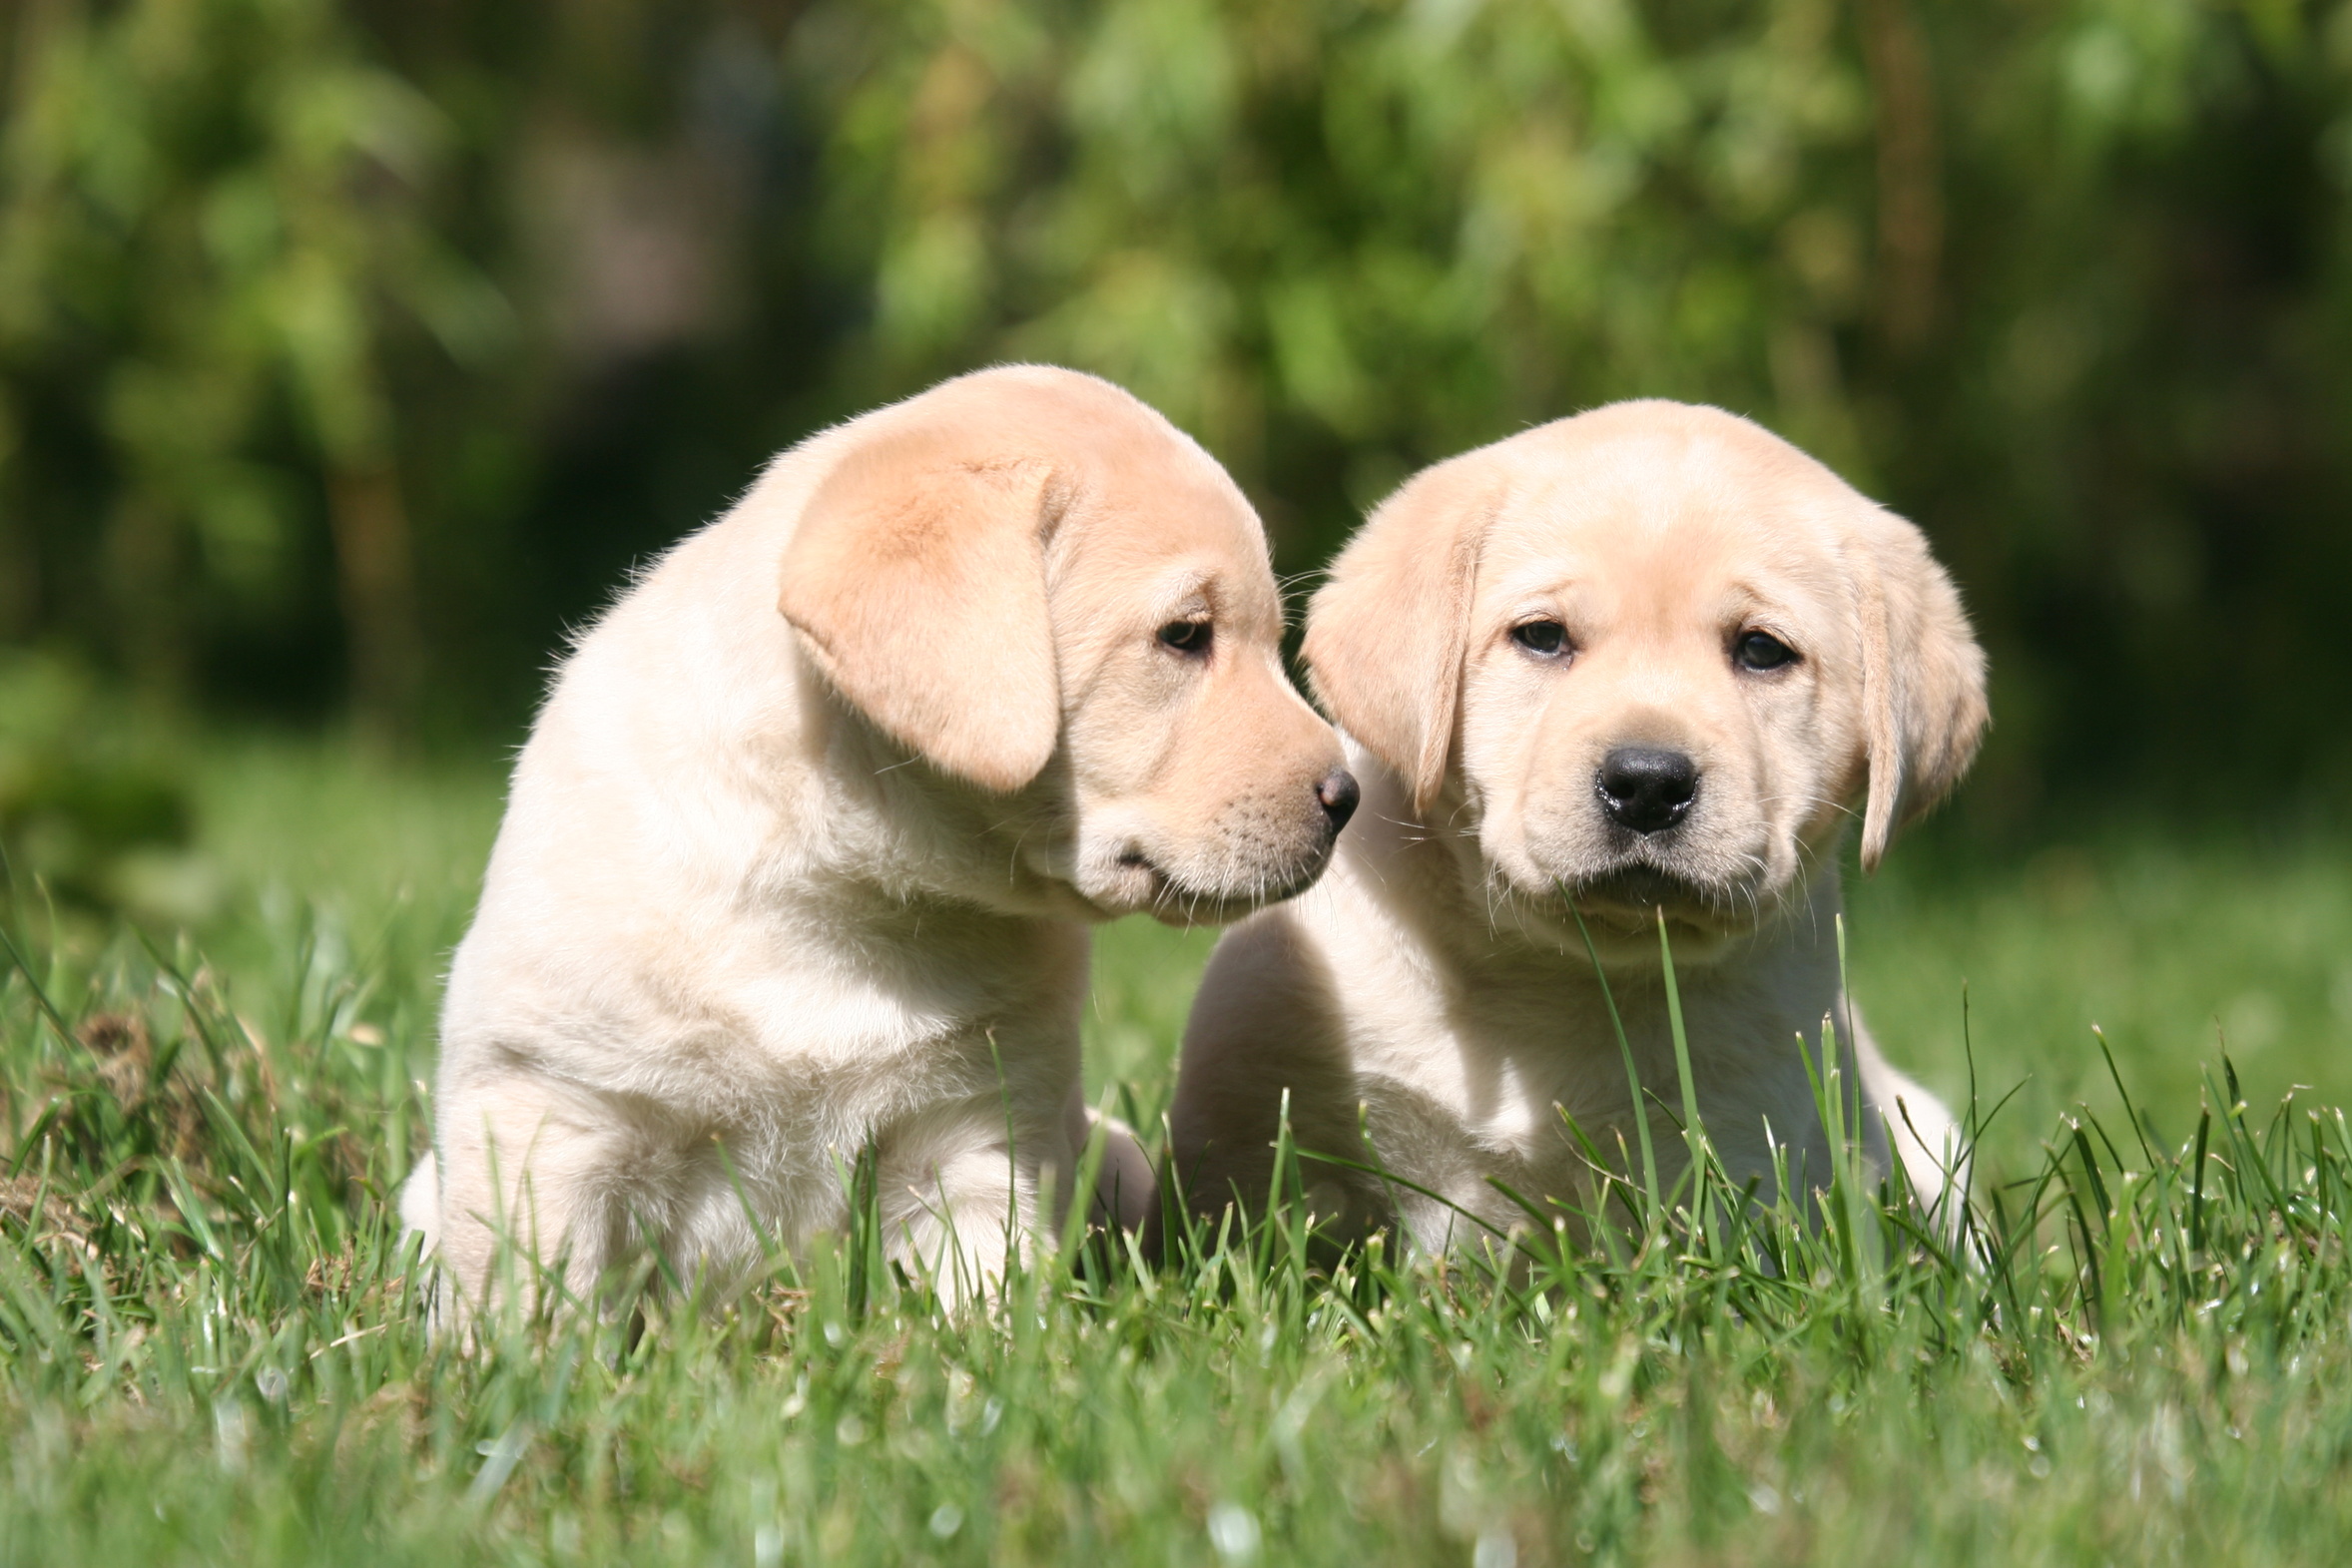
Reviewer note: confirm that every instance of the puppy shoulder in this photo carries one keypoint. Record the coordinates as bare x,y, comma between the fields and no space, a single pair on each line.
1272,965
1266,1035
1267,1020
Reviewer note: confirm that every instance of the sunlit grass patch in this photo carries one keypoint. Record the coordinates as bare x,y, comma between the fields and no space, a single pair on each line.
212,1347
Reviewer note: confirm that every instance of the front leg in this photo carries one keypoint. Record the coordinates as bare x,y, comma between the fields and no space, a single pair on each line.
961,1192
1920,1130
1125,1191
1266,1033
524,1193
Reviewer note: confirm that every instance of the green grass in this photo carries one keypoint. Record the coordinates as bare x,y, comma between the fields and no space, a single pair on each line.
209,1349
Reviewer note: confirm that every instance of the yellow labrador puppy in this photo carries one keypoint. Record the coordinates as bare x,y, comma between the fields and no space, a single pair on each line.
799,860
1636,661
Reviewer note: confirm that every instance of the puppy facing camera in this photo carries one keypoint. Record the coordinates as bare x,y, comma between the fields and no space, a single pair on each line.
1643,668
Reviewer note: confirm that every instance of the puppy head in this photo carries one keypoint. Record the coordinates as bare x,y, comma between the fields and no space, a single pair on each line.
1646,659
1045,590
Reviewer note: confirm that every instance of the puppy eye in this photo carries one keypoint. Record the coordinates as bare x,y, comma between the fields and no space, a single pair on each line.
1187,637
1761,650
1546,639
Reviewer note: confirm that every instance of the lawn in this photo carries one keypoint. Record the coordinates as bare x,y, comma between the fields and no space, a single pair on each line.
209,1349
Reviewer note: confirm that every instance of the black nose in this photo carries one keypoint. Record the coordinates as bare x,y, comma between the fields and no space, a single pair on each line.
1646,787
1338,795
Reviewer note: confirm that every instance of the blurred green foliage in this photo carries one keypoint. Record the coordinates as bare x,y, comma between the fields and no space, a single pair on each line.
90,799
351,349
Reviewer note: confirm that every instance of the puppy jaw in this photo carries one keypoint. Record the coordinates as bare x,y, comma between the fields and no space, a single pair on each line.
1557,893
1716,892
1124,866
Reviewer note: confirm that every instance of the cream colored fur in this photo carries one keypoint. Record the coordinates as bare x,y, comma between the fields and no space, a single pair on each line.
1433,991
800,855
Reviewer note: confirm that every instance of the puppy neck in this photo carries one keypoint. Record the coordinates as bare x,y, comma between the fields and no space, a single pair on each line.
880,817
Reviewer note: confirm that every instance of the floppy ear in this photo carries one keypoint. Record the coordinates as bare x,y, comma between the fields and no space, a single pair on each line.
917,579
1385,634
1923,681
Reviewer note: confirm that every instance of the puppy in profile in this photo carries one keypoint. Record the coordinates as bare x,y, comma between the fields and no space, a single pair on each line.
798,863
1639,660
